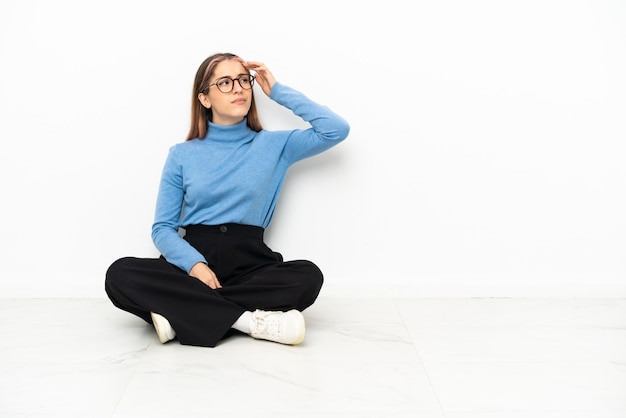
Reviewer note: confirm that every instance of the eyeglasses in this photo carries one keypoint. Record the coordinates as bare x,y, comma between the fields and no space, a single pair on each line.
226,84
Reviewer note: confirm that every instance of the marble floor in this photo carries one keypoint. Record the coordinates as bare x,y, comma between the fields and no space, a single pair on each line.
388,357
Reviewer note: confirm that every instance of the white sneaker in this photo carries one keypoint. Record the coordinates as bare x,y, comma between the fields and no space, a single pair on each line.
163,328
280,327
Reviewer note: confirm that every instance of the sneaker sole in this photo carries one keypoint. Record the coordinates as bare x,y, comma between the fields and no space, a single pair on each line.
163,329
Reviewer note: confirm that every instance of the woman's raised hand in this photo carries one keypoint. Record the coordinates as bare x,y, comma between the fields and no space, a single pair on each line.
264,77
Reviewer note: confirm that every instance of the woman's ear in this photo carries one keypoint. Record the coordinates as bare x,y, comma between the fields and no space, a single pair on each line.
204,100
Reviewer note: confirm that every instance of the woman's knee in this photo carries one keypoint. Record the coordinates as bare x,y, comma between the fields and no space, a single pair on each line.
117,270
310,271
311,280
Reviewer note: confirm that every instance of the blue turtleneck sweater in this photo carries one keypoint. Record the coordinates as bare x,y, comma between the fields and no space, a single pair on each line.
234,174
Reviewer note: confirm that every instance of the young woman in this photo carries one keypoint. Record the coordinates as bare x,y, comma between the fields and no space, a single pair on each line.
217,195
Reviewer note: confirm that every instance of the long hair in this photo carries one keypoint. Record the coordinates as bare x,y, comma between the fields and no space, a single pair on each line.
200,115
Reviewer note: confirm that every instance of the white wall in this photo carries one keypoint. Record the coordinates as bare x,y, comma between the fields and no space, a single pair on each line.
486,156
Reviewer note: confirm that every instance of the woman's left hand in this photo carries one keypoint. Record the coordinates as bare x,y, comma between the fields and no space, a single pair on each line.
264,77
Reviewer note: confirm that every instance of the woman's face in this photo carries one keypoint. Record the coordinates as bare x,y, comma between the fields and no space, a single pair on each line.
231,107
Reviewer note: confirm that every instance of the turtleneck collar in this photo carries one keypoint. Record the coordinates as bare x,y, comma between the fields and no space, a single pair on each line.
231,133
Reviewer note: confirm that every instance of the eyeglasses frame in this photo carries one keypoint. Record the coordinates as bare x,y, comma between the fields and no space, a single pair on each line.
233,82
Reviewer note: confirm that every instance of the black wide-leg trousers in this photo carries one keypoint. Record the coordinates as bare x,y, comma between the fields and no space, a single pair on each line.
252,277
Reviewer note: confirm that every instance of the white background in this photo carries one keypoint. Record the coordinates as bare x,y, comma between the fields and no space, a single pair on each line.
486,157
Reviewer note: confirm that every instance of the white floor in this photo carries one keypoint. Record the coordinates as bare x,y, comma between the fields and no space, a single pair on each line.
455,358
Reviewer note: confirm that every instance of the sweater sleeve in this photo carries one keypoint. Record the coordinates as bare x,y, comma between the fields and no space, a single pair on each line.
168,212
327,128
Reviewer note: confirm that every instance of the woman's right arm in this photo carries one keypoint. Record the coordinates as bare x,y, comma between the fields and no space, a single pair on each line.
167,216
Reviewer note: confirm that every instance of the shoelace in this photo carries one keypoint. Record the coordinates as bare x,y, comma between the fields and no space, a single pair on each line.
267,323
